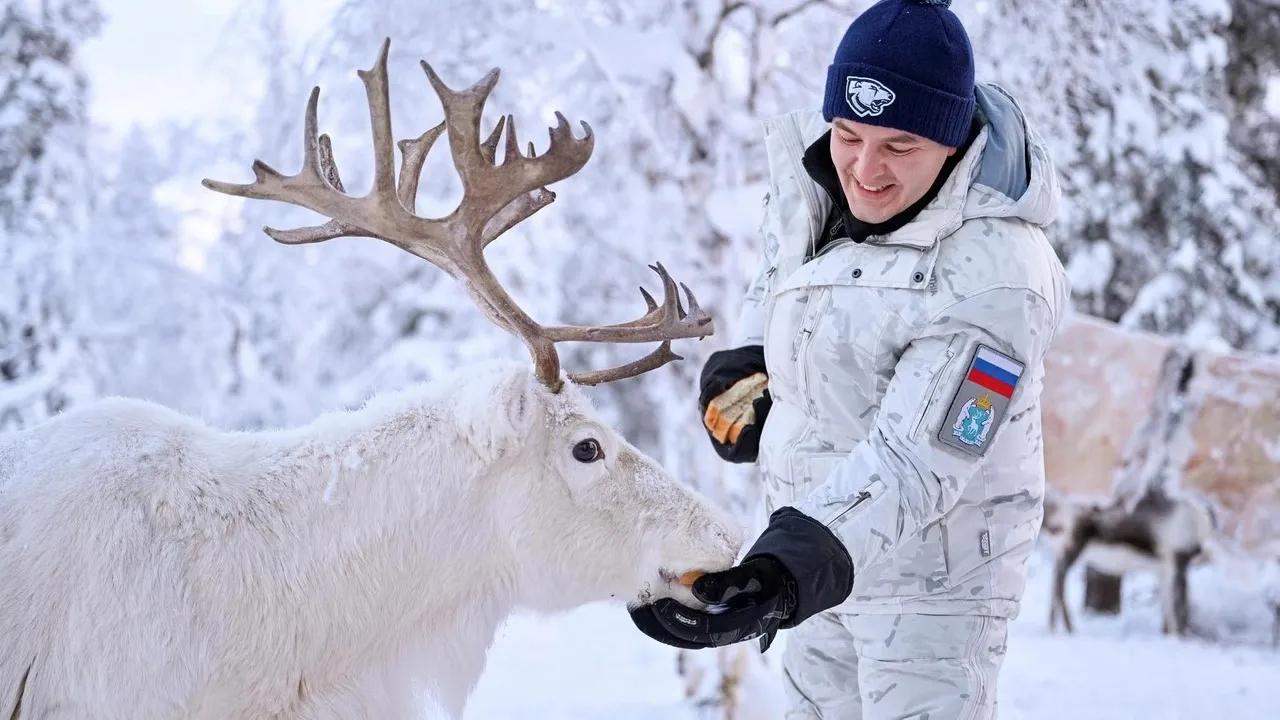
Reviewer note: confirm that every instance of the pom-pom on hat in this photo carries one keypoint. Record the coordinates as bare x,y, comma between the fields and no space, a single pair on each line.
907,65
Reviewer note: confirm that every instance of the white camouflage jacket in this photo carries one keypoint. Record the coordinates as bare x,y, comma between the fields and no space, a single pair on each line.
906,371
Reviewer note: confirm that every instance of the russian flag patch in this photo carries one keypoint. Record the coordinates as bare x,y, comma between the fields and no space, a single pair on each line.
994,371
979,405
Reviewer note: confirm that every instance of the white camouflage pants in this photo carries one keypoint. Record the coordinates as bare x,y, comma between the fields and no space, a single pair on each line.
893,667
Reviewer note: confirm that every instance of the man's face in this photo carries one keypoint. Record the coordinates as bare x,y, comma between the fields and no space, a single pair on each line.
882,170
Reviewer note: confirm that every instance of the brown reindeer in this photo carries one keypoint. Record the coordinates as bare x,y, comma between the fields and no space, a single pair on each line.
1163,532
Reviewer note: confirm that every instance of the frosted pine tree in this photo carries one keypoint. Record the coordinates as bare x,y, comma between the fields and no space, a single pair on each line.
44,191
265,284
1253,83
1167,225
153,324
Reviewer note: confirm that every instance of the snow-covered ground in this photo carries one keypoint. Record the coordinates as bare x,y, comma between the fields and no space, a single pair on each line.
592,664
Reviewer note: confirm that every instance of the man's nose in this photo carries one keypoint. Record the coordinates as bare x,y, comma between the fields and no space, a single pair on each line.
868,165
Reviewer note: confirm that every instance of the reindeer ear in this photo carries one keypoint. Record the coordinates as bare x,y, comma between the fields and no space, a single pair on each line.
498,414
517,401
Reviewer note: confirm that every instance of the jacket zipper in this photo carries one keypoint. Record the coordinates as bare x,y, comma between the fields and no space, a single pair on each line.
791,136
813,308
795,149
834,243
861,497
817,307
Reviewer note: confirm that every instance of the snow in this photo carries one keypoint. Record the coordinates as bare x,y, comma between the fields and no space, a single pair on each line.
198,72
1091,267
589,663
592,664
219,321
724,209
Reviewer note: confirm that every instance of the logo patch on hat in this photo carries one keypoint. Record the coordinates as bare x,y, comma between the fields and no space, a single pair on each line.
980,402
866,96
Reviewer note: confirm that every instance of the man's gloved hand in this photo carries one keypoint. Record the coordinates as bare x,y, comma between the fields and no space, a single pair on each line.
732,410
735,401
796,569
751,601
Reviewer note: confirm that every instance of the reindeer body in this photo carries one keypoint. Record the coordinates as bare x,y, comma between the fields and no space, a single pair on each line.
1160,532
156,568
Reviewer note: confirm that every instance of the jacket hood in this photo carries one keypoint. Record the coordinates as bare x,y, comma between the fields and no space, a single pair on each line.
1010,174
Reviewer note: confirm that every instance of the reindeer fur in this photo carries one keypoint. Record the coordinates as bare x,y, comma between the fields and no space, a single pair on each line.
154,567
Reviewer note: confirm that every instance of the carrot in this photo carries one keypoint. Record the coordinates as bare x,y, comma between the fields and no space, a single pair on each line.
688,577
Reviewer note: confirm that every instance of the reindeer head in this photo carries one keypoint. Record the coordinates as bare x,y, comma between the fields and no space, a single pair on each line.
588,515
596,514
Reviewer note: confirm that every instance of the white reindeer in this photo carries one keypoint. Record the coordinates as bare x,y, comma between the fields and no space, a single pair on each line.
1162,532
152,567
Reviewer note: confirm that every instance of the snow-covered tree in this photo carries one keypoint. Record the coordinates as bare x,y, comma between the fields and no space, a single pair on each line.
44,191
263,283
1253,83
152,325
1168,223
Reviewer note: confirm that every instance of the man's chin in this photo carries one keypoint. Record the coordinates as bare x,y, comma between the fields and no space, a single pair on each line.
874,211
872,215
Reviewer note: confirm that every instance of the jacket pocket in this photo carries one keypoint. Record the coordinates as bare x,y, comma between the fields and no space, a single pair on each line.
839,503
932,398
971,544
809,470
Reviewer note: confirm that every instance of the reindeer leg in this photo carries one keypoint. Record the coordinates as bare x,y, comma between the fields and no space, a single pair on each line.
1275,627
1059,600
1056,606
1173,593
1070,552
1166,595
1060,569
1181,607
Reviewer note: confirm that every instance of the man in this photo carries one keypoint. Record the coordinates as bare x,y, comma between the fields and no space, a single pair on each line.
894,342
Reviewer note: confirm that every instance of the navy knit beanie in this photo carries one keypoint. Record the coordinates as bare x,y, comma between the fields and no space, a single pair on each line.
906,65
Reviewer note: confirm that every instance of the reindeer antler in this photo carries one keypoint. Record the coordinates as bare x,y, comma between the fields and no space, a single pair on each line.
495,199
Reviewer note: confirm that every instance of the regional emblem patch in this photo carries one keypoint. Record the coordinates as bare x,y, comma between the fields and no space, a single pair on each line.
980,402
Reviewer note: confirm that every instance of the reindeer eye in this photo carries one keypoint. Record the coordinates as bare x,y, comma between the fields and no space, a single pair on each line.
587,451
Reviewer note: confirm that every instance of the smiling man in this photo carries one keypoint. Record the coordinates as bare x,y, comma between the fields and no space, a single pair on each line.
886,378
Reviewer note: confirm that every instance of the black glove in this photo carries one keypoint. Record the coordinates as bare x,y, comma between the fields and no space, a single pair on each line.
733,440
755,598
796,569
